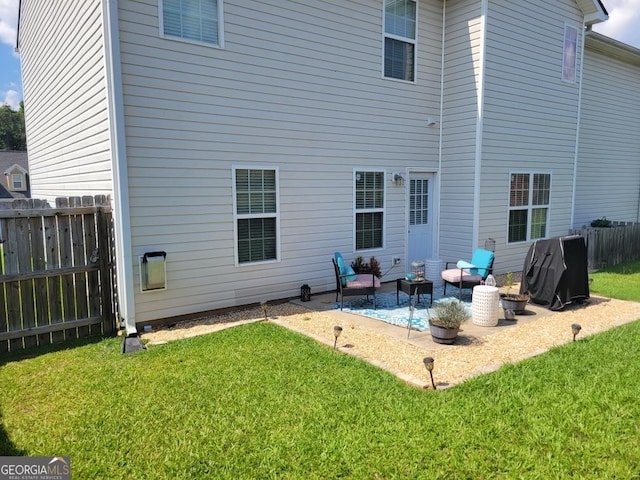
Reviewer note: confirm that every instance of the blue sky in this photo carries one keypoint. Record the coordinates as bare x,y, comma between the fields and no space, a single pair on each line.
623,25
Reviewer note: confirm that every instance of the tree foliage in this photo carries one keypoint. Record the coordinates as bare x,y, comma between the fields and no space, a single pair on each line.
12,129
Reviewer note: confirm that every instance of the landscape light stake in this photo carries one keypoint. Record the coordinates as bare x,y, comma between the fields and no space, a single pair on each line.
337,330
263,305
575,329
428,364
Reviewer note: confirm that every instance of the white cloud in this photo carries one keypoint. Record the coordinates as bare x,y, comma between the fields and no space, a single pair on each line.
8,21
624,21
12,98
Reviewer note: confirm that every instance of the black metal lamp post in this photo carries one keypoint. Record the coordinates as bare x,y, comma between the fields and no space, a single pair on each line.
428,364
575,329
337,330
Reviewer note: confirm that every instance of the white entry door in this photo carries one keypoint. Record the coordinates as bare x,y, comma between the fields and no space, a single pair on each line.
420,228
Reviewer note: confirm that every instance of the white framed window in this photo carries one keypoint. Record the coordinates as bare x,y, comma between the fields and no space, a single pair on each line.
529,195
400,22
569,54
17,181
256,209
198,21
369,209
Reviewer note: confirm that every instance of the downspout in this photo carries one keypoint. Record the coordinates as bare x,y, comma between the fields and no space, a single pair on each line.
484,9
577,145
115,109
440,135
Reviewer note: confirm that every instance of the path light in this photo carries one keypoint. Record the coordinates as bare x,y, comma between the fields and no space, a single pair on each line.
428,364
337,330
575,328
263,305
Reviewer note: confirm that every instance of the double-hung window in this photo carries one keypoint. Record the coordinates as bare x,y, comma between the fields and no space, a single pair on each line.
529,206
193,20
369,203
400,39
256,207
16,181
569,53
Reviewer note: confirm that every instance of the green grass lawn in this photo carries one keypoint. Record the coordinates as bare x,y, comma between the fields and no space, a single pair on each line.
259,401
621,281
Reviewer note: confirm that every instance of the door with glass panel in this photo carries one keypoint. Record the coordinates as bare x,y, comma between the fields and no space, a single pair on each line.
420,222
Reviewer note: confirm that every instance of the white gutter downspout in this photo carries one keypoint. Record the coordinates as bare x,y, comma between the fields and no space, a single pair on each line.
439,182
576,153
115,109
484,9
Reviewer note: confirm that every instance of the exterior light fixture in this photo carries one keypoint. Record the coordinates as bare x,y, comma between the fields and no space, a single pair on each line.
337,330
263,305
575,329
428,364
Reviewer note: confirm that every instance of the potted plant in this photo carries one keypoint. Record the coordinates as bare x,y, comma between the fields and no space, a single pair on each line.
513,302
445,320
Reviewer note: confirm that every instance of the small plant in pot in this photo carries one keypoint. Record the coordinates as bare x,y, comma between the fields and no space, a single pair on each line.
512,303
446,319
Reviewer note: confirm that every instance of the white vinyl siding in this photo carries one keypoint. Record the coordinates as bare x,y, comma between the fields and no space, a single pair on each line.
198,21
607,176
64,83
530,117
193,112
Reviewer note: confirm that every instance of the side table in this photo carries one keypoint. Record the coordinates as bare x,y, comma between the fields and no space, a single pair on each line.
485,306
411,287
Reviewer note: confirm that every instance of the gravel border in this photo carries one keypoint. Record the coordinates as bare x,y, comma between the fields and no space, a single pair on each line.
453,364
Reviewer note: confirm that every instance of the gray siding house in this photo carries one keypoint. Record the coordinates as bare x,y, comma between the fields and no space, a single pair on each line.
251,140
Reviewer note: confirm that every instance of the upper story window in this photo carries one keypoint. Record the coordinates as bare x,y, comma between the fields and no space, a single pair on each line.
569,53
529,195
369,200
400,19
194,20
17,181
256,209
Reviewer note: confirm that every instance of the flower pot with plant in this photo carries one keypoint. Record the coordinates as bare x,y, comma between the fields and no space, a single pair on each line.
513,302
444,323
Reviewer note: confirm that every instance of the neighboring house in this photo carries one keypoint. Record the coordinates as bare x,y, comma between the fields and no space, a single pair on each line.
15,167
251,140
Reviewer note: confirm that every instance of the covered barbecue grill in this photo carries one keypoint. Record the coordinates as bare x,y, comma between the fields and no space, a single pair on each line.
555,272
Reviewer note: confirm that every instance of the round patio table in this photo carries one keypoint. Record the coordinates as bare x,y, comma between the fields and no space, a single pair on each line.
485,306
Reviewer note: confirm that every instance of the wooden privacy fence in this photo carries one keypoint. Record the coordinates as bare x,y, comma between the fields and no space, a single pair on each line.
56,275
607,247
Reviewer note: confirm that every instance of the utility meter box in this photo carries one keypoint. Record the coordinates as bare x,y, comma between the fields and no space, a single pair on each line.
153,271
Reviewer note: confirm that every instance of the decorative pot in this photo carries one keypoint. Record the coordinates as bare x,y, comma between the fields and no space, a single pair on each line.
443,335
515,302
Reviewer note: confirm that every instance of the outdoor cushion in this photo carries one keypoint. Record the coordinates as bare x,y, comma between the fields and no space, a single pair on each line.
344,269
363,280
452,275
481,261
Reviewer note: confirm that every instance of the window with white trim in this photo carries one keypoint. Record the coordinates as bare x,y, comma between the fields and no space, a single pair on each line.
529,206
256,207
369,203
569,53
400,19
17,182
194,20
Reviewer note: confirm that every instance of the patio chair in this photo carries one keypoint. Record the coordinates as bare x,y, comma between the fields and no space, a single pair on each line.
468,274
348,283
